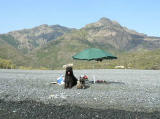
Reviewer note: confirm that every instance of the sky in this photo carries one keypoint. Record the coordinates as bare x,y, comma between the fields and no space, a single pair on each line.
140,15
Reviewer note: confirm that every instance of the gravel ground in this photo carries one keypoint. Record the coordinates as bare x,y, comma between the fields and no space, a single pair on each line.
128,94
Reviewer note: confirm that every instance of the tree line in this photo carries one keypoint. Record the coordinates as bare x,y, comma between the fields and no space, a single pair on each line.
6,64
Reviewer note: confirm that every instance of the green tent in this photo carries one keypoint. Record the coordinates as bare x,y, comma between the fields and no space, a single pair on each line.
93,54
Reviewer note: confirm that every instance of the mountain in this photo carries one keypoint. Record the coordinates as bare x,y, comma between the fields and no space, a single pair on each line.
110,32
29,39
53,46
8,51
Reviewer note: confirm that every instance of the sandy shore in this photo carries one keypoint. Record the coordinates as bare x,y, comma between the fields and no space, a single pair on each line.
129,94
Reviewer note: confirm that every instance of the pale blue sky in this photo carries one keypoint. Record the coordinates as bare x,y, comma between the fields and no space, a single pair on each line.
140,15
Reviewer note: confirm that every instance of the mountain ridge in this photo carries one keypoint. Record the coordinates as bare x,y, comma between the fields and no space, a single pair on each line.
53,45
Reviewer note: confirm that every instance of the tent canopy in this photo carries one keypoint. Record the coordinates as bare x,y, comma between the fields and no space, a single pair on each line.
93,54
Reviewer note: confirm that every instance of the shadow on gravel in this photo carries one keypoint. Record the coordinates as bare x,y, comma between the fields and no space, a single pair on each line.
112,82
109,82
36,110
87,86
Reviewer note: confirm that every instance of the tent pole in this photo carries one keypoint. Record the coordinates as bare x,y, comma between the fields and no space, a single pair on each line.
94,78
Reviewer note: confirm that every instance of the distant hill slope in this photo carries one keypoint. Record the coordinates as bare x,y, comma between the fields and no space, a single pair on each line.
7,51
53,46
29,39
137,60
110,32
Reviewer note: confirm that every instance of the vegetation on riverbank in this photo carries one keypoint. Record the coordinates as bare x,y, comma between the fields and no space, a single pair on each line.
6,64
147,60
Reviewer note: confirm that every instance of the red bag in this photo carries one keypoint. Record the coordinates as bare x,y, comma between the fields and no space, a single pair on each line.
85,77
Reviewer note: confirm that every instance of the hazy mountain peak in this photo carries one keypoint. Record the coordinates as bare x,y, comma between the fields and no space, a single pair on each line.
44,25
104,20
